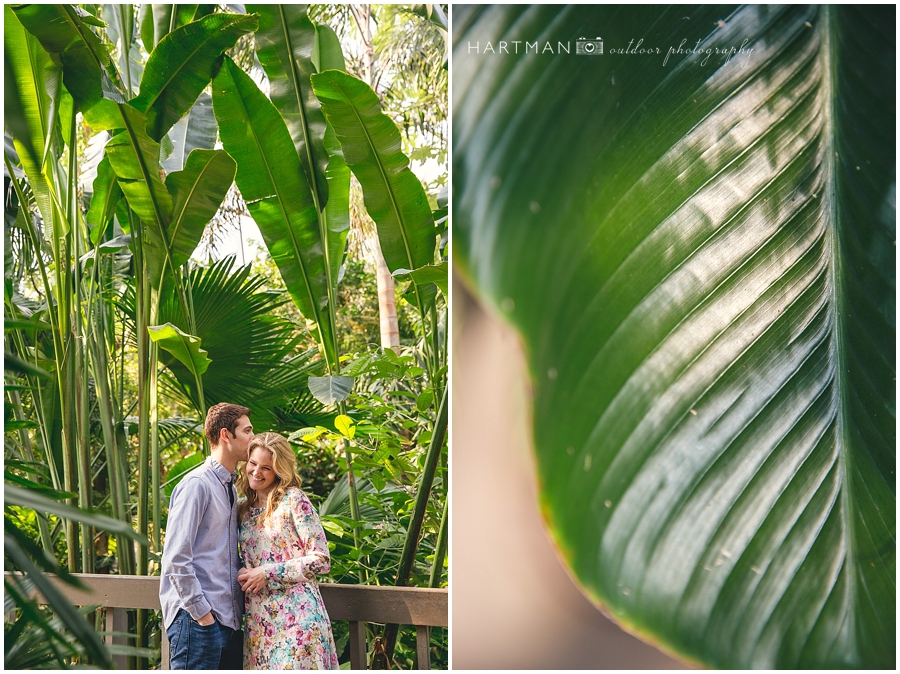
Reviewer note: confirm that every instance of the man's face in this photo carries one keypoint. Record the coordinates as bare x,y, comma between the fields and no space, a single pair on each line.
243,434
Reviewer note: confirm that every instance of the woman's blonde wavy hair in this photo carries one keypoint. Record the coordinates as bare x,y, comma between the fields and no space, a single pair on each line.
284,463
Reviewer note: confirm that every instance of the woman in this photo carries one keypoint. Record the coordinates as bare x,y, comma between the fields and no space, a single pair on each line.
283,548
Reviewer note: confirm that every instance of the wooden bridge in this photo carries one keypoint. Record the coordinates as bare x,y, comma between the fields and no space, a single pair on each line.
357,604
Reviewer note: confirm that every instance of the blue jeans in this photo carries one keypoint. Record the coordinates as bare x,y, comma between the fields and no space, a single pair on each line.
195,646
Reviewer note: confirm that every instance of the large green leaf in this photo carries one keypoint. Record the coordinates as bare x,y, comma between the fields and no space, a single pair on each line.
276,192
328,53
157,21
88,72
285,43
698,249
371,145
330,390
336,216
37,84
175,213
120,31
183,64
134,158
197,130
186,348
103,201
197,192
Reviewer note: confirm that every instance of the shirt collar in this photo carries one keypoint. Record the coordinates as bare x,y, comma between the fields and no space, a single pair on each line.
220,471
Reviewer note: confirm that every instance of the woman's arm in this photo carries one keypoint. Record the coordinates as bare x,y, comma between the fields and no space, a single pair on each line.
313,558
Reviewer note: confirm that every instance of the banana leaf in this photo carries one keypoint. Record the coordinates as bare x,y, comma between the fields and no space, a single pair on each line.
182,65
37,82
197,192
184,347
105,198
120,31
276,192
197,130
370,142
157,21
697,245
285,43
335,219
328,53
88,73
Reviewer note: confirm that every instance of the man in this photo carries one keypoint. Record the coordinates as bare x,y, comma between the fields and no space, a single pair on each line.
201,598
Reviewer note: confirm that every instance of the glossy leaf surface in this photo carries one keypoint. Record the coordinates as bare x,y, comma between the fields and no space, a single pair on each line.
336,216
157,21
330,390
698,250
197,192
277,194
285,43
182,66
104,200
134,157
185,347
37,80
87,68
370,141
432,273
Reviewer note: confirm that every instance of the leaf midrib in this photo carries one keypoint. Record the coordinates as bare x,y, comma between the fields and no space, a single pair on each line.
287,221
187,61
178,217
381,170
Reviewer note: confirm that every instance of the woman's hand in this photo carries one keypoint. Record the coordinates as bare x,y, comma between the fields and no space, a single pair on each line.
252,580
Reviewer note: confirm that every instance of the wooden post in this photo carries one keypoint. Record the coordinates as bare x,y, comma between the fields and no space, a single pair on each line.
117,621
358,647
423,647
164,659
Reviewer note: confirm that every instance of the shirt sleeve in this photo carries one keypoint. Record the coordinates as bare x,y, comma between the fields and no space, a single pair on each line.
186,511
313,557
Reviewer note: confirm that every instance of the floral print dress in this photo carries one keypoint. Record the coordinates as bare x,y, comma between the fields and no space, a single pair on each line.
285,625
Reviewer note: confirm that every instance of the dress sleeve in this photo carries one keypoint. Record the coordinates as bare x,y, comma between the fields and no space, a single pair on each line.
313,557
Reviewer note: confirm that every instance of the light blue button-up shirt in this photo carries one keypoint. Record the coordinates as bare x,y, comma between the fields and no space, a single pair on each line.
200,559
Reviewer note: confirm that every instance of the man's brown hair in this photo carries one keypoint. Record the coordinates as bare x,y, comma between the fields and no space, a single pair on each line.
223,415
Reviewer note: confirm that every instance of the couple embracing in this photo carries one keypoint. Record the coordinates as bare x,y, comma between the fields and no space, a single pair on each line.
260,553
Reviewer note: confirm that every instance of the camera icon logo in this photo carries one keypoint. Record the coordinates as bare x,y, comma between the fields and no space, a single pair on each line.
587,47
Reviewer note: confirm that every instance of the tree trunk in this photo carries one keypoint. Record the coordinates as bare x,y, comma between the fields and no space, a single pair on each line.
387,305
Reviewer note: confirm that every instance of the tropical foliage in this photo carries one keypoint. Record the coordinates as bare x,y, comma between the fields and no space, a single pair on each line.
126,130
698,248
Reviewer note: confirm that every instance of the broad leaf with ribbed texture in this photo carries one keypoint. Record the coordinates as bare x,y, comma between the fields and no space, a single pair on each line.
328,53
370,141
37,80
330,390
197,130
88,72
183,64
157,21
285,43
197,192
276,192
134,158
698,250
184,347
336,216
104,200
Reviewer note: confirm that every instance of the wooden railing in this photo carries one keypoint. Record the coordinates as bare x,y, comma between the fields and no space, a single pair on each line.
357,604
